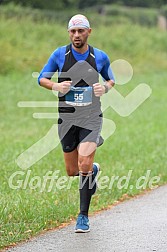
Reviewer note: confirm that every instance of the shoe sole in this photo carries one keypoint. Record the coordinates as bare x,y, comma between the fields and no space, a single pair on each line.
82,231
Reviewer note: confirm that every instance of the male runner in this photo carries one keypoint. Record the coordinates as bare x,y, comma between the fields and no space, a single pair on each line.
80,116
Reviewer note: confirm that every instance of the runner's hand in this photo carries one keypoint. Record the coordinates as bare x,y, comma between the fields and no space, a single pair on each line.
63,87
99,90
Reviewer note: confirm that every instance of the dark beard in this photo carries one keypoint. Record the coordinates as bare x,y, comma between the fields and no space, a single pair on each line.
78,45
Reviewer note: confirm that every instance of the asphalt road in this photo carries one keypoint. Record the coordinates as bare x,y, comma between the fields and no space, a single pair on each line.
139,224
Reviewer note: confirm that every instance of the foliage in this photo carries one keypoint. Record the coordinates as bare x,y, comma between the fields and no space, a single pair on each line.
143,16
163,10
22,45
44,4
65,4
108,14
18,12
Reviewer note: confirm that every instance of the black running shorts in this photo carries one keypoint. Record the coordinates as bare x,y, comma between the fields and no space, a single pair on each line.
76,131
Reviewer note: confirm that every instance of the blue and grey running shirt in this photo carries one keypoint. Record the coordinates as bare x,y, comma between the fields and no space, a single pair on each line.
57,59
83,70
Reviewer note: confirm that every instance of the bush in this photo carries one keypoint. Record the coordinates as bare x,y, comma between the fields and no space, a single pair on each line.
12,10
142,16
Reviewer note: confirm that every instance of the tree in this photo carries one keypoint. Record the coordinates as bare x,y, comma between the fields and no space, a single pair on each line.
65,4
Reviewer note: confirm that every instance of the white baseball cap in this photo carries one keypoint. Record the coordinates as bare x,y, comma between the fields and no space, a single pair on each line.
78,21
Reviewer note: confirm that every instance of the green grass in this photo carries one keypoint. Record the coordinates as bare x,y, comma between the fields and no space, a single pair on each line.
138,144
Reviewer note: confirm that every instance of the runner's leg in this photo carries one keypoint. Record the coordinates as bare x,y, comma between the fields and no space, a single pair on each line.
71,162
85,164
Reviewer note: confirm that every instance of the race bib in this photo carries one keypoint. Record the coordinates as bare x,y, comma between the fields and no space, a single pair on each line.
79,96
